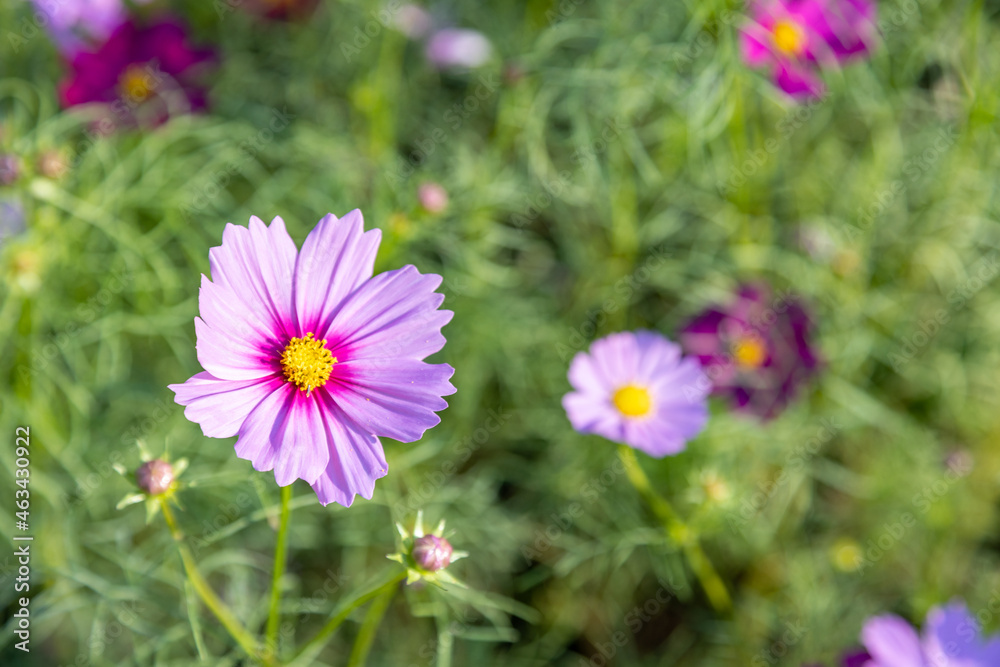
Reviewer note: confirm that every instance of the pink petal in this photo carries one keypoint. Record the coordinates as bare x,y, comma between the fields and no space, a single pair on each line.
257,265
616,358
356,459
392,316
755,52
591,413
654,437
337,258
219,406
585,376
892,642
798,80
394,398
231,358
286,432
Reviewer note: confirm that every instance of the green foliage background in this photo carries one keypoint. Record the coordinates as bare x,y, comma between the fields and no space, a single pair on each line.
600,157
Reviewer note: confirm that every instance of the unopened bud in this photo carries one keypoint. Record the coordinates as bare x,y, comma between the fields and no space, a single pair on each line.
10,169
433,197
155,477
431,552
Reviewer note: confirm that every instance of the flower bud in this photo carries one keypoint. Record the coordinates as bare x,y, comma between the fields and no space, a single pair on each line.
10,169
433,197
455,48
155,477
431,552
52,164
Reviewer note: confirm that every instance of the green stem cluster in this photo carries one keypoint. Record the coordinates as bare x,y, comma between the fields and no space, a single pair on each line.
678,531
382,590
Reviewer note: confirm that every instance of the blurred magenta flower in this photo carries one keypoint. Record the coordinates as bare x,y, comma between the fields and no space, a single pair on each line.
634,388
758,350
76,24
951,638
458,48
433,197
309,359
150,69
792,38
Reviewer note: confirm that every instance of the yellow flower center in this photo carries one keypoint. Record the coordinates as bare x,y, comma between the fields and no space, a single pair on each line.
307,363
135,83
632,401
789,38
749,352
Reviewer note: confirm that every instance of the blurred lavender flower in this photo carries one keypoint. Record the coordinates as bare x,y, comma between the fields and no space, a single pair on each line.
757,354
77,24
12,219
635,388
951,638
458,48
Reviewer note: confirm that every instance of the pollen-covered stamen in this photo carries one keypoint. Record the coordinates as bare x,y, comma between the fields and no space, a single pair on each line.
749,352
136,83
307,363
789,37
633,401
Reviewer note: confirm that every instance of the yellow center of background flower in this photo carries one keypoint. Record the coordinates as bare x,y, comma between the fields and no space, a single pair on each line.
789,38
749,352
135,83
632,401
307,363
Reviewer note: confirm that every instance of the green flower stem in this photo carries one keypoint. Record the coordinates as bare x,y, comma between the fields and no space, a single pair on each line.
678,531
366,635
204,591
383,585
280,557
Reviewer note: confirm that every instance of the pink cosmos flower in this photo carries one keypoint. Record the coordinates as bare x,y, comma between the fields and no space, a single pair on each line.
792,38
634,388
139,71
758,350
310,360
